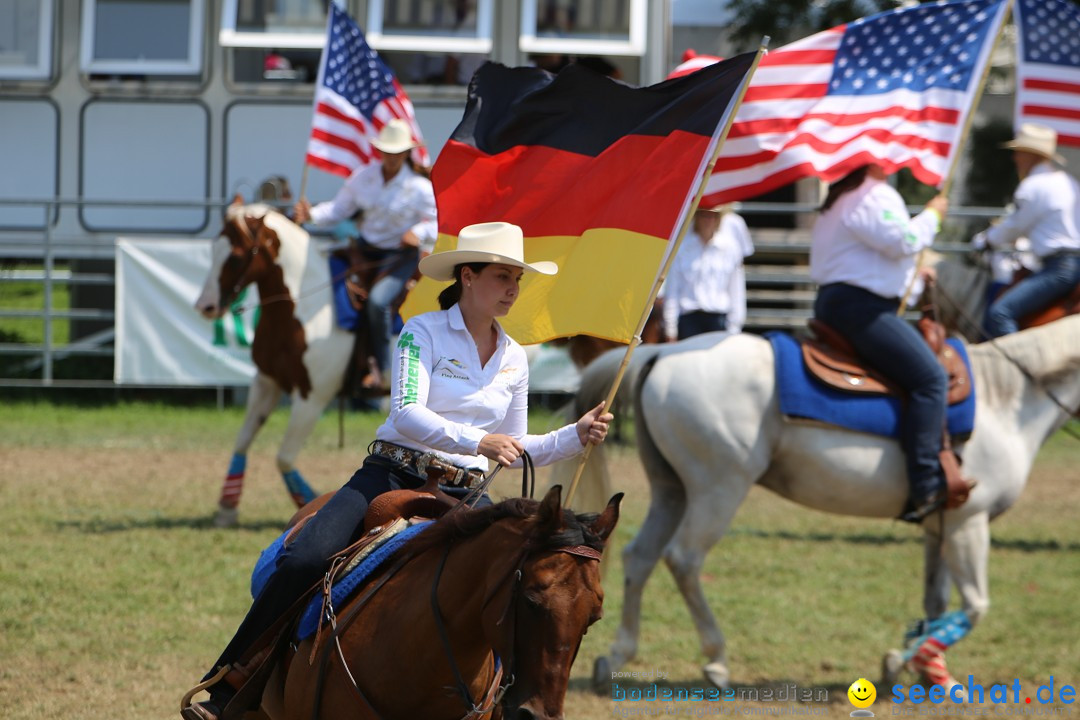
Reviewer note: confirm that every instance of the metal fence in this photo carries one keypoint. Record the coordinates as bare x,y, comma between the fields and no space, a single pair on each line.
780,293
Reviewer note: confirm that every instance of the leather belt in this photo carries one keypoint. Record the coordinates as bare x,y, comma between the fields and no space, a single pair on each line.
452,475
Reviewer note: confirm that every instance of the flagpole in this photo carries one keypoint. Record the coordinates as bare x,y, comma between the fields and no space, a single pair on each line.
687,219
303,183
946,184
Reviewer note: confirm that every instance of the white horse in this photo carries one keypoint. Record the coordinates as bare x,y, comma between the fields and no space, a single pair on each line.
709,427
298,347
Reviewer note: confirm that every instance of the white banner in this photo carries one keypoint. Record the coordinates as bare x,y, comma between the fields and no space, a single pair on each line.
160,338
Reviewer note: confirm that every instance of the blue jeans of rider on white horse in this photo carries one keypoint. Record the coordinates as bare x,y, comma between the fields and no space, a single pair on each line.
305,560
896,350
1060,273
378,309
698,322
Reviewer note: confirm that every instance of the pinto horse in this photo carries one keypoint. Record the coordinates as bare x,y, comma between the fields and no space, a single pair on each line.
708,427
480,616
298,348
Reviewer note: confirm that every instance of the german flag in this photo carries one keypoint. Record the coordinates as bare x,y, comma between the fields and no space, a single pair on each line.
598,174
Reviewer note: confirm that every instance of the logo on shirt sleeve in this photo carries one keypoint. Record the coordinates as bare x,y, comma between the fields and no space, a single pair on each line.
410,369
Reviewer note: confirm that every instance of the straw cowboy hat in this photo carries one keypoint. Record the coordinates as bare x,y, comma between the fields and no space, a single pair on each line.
395,137
491,242
1037,139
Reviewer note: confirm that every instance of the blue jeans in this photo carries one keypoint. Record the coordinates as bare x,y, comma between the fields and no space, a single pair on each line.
896,350
699,321
378,309
1059,275
304,561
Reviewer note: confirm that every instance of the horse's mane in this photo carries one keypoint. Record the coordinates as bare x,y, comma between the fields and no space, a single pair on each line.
462,524
1046,353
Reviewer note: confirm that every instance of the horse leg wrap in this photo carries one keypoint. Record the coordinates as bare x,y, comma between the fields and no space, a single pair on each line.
927,652
298,488
234,482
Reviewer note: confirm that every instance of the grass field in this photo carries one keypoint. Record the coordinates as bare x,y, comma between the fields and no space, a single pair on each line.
116,592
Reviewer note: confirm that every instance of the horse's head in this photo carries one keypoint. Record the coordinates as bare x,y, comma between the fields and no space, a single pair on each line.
536,621
245,249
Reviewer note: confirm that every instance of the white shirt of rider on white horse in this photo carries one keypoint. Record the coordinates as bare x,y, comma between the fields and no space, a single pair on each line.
443,400
391,209
869,240
1046,212
709,276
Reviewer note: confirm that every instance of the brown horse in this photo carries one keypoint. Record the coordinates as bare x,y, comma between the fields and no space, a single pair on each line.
514,585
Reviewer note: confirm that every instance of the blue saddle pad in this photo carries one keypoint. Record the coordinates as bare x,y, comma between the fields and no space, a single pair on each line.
803,396
344,312
345,585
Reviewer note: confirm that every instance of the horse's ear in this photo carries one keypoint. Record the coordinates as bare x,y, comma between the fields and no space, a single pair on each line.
605,523
550,515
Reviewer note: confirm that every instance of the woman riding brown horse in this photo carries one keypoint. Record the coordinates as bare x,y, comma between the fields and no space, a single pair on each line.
483,621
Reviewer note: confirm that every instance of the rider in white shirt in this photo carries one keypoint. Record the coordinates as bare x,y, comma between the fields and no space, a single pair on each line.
460,397
397,226
863,256
1047,213
705,290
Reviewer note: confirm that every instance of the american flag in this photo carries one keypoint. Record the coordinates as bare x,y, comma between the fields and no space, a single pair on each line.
355,95
894,88
1048,71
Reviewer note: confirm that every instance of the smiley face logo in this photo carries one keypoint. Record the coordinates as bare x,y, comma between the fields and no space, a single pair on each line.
862,693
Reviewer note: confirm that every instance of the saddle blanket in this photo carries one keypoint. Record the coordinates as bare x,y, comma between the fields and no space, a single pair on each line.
344,312
803,396
343,587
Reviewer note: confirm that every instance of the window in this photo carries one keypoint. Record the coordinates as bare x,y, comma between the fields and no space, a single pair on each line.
586,27
265,24
431,42
26,39
444,26
142,37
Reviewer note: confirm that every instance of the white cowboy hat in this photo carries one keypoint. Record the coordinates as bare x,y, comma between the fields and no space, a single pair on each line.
1037,139
491,242
395,137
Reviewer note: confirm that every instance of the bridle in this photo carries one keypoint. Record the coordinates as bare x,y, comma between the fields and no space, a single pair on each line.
249,256
497,689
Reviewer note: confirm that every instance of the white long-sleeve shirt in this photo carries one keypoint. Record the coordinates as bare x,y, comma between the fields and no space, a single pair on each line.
1047,213
709,276
867,239
442,400
391,209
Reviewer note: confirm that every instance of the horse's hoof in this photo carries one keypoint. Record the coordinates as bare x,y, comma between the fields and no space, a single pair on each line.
601,676
226,517
718,674
891,667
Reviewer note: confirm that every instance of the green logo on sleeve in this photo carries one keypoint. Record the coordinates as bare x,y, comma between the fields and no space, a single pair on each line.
410,369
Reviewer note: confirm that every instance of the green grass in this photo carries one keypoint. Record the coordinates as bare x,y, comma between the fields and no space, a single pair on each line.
116,593
31,296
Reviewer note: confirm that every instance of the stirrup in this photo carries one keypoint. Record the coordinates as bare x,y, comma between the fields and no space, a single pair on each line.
185,702
932,504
